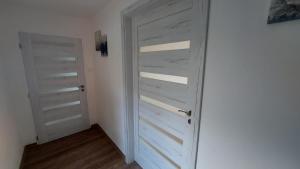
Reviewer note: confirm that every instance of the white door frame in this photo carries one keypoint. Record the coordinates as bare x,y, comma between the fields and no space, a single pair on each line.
128,78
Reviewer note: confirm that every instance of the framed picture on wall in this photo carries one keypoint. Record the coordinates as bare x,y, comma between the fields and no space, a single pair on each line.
284,10
101,43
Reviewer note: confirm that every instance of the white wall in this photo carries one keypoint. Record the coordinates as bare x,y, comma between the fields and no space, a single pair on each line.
10,145
109,77
251,110
18,18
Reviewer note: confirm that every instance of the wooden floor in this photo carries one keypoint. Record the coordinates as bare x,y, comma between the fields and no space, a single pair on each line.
90,149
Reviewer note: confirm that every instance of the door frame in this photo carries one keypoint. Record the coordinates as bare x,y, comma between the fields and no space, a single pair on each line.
128,55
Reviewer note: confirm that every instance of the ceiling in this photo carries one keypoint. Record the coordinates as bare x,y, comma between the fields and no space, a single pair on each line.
73,7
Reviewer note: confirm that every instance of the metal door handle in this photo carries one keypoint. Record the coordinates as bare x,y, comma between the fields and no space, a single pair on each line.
188,113
81,87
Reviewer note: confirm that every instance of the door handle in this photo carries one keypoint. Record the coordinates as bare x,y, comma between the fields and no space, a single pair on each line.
188,113
81,87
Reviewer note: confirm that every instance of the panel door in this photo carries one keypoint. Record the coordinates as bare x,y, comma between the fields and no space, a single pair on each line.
168,66
55,77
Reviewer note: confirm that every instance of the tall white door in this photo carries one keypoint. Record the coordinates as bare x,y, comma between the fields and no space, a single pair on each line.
55,77
168,67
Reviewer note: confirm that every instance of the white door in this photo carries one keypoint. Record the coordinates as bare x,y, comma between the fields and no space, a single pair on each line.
55,77
168,67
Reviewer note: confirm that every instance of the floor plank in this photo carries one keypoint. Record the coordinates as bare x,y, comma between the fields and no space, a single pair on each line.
90,149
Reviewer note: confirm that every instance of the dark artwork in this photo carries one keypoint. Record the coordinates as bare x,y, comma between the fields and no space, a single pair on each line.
101,43
103,46
284,10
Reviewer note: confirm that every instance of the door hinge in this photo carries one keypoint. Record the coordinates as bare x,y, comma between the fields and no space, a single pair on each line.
20,46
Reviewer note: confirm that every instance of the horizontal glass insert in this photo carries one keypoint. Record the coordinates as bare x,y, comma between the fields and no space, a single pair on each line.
70,74
71,59
163,77
166,46
160,104
61,106
70,89
63,120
